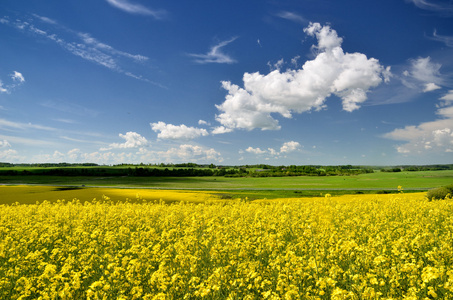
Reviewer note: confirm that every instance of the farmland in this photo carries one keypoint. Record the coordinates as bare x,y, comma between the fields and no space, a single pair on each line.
70,187
347,247
296,237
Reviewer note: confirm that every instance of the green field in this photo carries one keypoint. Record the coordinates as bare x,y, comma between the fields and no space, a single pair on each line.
256,188
379,180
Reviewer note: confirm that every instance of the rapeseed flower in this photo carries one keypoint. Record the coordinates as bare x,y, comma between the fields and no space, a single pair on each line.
347,247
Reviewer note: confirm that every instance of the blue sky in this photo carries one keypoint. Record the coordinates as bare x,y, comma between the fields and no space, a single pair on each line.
227,82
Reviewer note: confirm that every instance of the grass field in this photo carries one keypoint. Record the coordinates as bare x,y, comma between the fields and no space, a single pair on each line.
377,180
120,188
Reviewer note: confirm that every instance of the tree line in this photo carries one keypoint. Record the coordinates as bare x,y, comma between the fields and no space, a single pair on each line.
194,170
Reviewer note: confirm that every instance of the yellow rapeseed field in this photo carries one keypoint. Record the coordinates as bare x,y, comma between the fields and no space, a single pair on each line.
349,247
26,194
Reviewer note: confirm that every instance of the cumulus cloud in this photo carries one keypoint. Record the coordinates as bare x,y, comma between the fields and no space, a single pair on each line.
286,148
255,150
221,129
347,75
289,147
215,54
185,153
133,140
9,155
434,136
180,132
138,9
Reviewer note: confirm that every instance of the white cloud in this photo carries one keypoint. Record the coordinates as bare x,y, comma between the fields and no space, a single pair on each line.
45,19
185,153
134,152
425,71
447,40
346,75
221,129
84,46
2,89
23,126
181,132
215,55
434,136
133,140
448,96
289,147
294,61
277,66
292,17
272,151
431,87
89,40
58,156
133,8
17,80
16,76
74,154
255,150
4,144
9,155
438,6
203,122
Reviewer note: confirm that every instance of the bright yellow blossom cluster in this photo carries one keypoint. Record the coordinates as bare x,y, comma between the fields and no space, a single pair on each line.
349,247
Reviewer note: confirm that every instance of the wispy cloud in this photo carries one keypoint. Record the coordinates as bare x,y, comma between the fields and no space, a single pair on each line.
45,19
5,124
443,7
447,40
72,108
138,9
215,54
4,144
17,80
82,44
31,142
292,17
18,77
91,41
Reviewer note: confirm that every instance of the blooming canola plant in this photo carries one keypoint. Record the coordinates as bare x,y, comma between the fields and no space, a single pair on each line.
335,247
